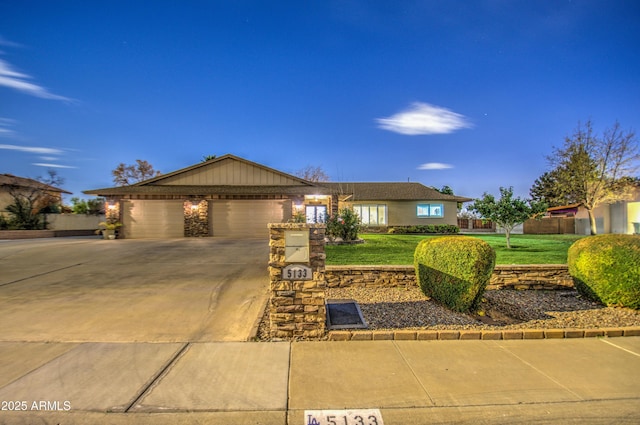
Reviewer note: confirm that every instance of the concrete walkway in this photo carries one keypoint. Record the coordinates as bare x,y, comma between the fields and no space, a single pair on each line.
585,381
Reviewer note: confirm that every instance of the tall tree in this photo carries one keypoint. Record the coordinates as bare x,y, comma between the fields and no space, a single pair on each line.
593,169
546,189
507,212
125,175
206,158
312,174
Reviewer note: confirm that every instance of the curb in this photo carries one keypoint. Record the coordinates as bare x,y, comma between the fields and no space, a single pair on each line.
427,335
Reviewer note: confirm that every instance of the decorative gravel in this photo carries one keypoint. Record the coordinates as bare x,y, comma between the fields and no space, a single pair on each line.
409,308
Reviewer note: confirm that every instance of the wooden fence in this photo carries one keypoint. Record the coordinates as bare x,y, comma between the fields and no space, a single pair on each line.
550,226
474,225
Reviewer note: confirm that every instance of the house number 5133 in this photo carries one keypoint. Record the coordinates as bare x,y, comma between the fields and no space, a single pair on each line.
297,272
343,417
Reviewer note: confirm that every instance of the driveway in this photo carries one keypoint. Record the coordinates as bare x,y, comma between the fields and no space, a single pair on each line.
89,289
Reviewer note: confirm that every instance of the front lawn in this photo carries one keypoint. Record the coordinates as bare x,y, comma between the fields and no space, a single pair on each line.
398,249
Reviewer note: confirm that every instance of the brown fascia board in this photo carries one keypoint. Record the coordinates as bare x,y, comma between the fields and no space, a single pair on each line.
208,190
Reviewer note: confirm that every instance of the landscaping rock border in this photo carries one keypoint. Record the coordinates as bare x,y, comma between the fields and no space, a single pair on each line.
432,335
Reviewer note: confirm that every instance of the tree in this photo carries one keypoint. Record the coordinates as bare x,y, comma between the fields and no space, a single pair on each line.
593,169
312,174
508,211
89,207
447,190
546,189
125,175
208,158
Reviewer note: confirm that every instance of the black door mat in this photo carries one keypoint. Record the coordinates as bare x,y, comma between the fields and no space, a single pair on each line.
344,314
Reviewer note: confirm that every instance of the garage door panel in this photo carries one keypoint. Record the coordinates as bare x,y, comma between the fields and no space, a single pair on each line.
247,218
153,219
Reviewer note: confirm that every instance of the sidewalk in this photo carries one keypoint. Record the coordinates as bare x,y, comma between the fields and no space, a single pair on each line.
591,380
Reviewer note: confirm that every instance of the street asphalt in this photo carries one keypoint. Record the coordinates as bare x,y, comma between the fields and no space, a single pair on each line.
56,371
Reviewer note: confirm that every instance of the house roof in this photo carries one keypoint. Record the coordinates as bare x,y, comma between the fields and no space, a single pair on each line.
564,207
231,175
11,180
225,175
398,191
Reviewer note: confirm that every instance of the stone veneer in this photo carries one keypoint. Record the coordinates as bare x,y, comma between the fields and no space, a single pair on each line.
297,308
520,276
196,218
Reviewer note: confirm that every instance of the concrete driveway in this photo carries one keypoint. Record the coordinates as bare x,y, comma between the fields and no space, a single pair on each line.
89,289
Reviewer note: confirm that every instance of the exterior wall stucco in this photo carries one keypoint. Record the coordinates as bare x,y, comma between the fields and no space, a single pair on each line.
403,213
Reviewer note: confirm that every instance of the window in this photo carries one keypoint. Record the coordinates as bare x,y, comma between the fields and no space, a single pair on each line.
372,214
430,210
316,213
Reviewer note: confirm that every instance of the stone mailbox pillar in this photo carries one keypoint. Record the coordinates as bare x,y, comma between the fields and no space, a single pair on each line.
296,272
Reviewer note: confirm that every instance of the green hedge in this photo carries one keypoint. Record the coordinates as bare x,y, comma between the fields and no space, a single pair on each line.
606,268
424,229
454,270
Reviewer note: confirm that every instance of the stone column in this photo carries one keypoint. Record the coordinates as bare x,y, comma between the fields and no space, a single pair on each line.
297,307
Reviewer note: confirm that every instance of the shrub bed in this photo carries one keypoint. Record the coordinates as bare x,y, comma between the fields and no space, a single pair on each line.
454,270
424,229
606,268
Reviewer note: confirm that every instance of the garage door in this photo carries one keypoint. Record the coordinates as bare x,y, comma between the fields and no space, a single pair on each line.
153,219
247,218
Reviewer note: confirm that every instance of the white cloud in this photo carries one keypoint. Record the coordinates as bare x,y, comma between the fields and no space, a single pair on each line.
18,81
30,149
434,166
5,124
423,118
8,43
42,164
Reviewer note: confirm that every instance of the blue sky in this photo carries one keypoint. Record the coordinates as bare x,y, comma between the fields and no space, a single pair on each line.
470,94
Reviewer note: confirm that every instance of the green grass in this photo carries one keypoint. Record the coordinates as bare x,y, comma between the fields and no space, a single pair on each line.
398,249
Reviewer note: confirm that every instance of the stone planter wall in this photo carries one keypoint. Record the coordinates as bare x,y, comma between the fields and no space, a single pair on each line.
529,276
297,308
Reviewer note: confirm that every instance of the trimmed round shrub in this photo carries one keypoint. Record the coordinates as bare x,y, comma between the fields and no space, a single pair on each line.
606,268
454,270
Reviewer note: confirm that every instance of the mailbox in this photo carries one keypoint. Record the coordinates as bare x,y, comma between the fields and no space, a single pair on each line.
296,246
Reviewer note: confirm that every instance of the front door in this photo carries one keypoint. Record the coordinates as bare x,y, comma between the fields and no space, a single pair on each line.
316,213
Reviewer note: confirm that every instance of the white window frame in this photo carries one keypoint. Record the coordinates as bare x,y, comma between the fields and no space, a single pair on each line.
366,217
430,210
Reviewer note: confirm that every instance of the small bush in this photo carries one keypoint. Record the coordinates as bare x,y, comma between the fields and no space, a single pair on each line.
424,229
344,225
454,270
606,268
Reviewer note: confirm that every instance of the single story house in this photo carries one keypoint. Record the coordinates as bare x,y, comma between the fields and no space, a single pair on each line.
39,193
233,197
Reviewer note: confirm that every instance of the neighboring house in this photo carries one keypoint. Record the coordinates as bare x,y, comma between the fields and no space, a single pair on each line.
233,197
621,217
612,218
46,194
